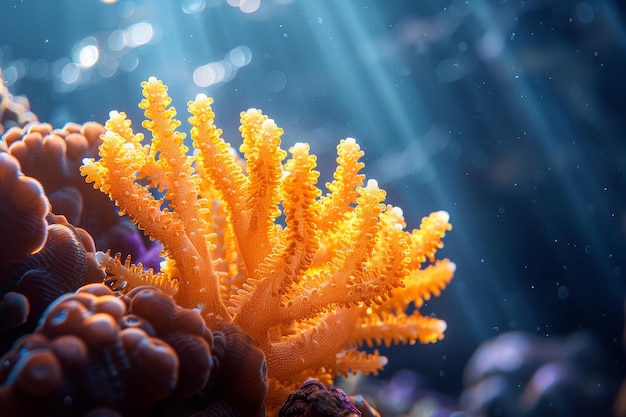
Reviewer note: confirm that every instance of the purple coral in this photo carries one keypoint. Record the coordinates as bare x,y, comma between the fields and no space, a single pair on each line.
313,399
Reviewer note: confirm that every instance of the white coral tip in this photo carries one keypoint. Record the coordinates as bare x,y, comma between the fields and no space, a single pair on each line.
382,361
372,184
443,215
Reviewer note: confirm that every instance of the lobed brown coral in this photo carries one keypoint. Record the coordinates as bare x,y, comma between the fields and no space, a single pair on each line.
97,351
42,256
53,157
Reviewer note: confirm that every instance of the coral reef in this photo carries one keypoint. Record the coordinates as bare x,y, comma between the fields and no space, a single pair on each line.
253,243
265,281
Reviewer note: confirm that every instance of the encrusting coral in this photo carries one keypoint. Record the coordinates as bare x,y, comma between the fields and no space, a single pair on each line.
53,157
42,256
98,353
254,243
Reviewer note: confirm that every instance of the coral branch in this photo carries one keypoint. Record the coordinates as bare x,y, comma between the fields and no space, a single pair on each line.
308,278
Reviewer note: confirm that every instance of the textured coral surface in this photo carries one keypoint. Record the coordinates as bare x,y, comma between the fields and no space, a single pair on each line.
265,280
254,242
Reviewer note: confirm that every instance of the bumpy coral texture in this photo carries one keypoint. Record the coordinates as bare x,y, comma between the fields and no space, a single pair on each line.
99,353
253,242
53,157
42,256
313,399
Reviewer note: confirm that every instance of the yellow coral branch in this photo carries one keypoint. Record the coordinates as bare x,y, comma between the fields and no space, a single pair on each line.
339,273
121,275
395,329
421,285
263,155
353,361
426,240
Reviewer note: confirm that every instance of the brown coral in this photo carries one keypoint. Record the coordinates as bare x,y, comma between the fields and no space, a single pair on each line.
24,208
53,157
41,255
136,354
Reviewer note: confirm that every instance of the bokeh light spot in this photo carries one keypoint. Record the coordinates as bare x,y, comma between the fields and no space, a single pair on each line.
246,6
70,73
88,56
490,45
240,56
140,34
205,75
193,6
39,68
117,40
250,6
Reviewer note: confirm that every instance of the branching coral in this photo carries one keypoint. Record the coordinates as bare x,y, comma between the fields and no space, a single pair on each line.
309,277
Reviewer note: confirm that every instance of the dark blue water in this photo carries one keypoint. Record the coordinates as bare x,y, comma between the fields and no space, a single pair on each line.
510,115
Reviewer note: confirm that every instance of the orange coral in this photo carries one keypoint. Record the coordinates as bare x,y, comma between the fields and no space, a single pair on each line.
309,277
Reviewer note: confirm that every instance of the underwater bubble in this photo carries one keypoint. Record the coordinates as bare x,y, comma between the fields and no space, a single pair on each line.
275,81
562,293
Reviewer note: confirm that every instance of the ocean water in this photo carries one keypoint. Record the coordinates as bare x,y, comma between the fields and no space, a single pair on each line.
510,115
